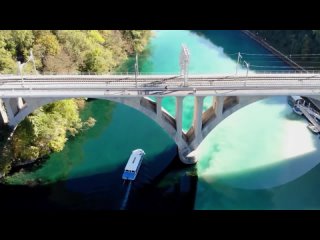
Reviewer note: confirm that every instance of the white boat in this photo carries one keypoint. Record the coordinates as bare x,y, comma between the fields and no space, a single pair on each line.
313,128
133,165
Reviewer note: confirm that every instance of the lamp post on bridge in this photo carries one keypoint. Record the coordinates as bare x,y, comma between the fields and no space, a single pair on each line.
20,69
239,56
184,63
31,57
136,69
21,65
247,65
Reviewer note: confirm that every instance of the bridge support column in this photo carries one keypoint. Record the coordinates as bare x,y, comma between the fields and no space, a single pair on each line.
183,149
197,119
184,155
178,117
20,103
159,107
3,114
11,106
218,102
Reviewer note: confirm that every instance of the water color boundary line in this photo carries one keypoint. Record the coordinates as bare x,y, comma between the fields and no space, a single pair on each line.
273,50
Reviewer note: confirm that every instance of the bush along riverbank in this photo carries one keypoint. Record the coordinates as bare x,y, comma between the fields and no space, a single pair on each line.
45,131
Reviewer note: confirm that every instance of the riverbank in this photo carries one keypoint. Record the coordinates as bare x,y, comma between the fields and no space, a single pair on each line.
273,50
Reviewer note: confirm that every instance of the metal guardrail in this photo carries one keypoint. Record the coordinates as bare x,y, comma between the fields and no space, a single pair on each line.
168,73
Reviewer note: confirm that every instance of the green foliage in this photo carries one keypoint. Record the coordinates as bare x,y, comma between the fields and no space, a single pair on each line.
62,51
75,43
7,64
47,44
60,63
23,41
5,166
137,39
91,51
115,42
97,61
89,123
295,42
6,154
46,130
95,36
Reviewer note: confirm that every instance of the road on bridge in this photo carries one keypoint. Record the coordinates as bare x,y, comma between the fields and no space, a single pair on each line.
148,85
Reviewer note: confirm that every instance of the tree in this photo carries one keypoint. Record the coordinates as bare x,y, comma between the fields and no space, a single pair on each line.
46,130
7,64
48,44
305,49
60,63
97,61
75,43
23,40
138,39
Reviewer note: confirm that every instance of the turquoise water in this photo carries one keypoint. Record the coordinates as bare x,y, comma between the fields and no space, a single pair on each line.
205,58
105,147
261,157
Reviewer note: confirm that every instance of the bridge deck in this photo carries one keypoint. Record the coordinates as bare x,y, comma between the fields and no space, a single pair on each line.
148,85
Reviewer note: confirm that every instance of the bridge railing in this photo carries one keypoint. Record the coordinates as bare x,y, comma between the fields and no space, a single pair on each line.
112,73
170,73
94,74
286,71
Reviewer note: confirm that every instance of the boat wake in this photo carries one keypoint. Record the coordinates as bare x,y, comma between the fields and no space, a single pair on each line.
126,196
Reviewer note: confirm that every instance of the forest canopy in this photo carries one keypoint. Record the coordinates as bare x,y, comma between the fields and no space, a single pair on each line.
66,51
293,42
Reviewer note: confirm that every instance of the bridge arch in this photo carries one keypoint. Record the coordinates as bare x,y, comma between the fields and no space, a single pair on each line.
151,109
222,107
203,123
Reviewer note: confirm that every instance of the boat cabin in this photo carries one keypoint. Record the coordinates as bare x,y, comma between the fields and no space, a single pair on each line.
133,165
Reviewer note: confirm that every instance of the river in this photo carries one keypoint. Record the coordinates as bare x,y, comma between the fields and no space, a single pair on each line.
261,157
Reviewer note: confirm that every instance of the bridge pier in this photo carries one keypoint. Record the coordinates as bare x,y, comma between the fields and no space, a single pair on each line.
20,103
197,119
16,109
183,155
3,114
178,117
183,148
218,102
12,108
159,107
